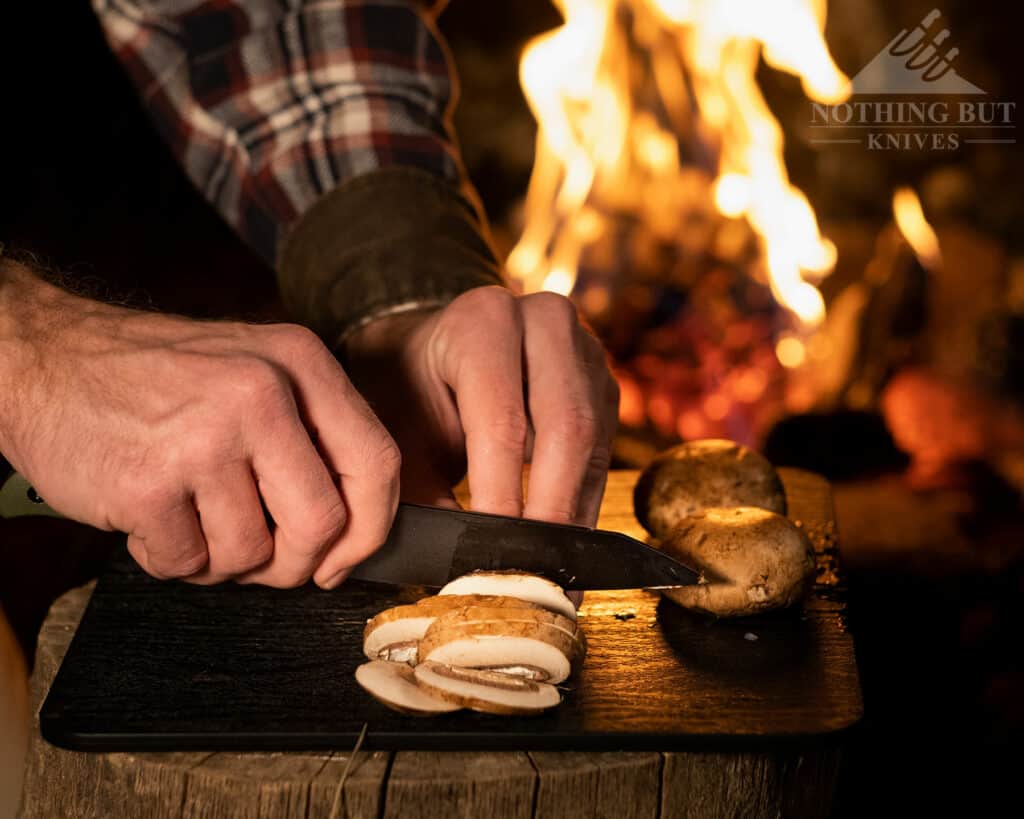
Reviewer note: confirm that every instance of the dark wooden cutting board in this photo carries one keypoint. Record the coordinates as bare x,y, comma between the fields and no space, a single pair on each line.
168,666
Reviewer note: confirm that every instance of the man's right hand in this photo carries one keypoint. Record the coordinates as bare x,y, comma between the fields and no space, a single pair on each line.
181,433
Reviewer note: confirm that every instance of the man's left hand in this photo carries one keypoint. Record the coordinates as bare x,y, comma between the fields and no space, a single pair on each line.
486,384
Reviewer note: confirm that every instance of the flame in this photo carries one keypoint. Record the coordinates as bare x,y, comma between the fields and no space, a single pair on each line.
909,215
624,90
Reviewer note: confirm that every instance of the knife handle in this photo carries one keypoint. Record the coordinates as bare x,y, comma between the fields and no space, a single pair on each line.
18,499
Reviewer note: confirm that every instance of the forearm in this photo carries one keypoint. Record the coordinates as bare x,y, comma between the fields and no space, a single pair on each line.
37,319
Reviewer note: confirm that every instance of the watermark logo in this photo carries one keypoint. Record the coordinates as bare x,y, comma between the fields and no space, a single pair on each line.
911,97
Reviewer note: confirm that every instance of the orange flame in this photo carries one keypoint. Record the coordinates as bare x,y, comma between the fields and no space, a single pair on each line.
909,215
609,142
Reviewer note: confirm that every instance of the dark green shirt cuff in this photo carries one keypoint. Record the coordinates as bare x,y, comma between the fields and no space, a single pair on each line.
397,238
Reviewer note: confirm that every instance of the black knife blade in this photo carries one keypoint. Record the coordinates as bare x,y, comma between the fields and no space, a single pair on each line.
429,546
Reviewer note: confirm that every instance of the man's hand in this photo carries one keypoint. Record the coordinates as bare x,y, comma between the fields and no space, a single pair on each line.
181,433
490,381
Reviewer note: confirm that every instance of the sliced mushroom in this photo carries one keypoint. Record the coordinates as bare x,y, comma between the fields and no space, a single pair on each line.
395,686
393,634
529,587
484,690
497,643
759,561
487,614
698,475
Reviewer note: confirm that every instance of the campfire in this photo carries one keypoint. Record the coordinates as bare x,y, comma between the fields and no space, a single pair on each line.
659,200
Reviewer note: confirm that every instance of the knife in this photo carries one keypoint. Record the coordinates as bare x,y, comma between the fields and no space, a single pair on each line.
428,546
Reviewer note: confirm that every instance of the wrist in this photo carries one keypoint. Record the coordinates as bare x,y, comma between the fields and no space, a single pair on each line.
393,336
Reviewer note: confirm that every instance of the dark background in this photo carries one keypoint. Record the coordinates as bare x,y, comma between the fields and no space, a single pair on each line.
90,190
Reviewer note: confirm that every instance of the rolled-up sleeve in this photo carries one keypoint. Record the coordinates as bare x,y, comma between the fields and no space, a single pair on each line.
320,131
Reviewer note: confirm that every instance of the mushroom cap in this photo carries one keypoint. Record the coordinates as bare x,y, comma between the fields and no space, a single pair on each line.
522,585
755,560
698,475
394,685
483,690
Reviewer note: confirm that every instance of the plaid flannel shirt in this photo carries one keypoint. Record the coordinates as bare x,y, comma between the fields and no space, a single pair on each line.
319,129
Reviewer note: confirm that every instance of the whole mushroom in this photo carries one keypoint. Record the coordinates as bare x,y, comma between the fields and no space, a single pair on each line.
751,561
699,475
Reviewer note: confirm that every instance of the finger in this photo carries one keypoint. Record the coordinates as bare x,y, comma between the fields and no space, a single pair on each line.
600,457
571,438
483,366
137,549
352,442
301,497
171,544
370,487
592,493
233,523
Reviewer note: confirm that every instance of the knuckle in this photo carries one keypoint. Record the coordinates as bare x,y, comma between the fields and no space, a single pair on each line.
486,303
388,460
186,562
323,525
581,427
255,553
600,459
147,495
206,447
509,429
553,305
258,379
298,342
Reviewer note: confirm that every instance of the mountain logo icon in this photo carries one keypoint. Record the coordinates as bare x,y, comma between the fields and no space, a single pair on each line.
914,62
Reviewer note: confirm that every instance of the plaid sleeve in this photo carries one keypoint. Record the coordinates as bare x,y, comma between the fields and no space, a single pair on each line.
271,104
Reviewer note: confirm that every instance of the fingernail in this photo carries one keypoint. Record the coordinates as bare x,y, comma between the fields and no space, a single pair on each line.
335,580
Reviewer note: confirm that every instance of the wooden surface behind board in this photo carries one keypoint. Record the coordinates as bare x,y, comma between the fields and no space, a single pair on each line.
796,778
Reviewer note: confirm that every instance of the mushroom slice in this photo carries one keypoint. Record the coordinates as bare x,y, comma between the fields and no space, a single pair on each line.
488,614
483,690
497,643
439,604
393,634
394,685
529,587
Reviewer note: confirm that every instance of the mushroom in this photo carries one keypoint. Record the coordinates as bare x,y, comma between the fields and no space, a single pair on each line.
501,618
757,561
394,634
484,690
515,641
490,641
395,686
697,475
529,587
